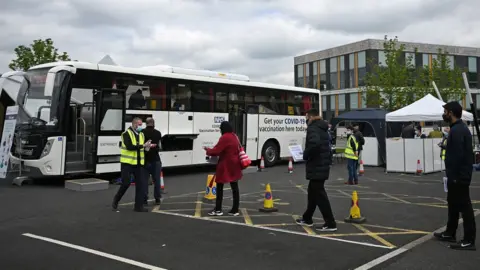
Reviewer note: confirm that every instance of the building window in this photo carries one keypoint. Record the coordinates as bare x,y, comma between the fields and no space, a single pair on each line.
382,59
362,68
472,64
324,103
353,100
450,61
323,75
300,75
307,75
332,102
342,72
351,65
315,75
341,102
472,72
333,73
364,100
425,59
410,59
434,58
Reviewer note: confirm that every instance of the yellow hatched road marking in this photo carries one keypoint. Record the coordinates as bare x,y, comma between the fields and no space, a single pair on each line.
246,217
374,236
307,229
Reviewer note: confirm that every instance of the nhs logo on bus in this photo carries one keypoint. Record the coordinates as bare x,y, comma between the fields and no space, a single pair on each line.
218,119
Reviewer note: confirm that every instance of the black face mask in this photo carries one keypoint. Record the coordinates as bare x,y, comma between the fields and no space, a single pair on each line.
446,118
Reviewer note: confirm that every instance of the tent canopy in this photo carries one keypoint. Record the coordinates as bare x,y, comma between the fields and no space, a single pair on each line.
427,109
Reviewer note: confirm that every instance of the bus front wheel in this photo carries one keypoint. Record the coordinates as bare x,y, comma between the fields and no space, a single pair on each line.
270,153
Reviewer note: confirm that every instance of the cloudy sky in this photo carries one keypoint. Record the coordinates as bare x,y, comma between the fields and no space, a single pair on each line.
256,38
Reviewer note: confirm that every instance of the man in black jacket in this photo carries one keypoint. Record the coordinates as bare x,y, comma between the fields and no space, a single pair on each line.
317,156
458,167
153,164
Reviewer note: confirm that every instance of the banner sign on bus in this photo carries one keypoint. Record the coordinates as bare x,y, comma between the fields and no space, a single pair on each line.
7,138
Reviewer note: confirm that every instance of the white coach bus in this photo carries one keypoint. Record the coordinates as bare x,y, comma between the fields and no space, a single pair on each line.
73,113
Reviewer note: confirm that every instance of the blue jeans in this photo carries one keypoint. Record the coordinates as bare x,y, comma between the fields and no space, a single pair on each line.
352,171
154,169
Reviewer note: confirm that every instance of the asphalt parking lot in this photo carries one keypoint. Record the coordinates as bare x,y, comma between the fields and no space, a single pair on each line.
49,227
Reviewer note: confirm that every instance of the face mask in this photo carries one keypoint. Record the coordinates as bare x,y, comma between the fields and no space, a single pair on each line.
446,118
445,134
139,129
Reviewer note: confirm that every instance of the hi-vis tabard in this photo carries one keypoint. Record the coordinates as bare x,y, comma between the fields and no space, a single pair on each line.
348,150
130,157
444,150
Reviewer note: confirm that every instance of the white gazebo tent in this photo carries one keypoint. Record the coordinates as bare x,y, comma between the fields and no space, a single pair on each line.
409,155
428,109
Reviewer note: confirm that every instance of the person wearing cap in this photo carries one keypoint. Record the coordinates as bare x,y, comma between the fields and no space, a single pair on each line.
153,164
458,168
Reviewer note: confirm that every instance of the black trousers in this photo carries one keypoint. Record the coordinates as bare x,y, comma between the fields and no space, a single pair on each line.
235,193
140,184
317,196
458,198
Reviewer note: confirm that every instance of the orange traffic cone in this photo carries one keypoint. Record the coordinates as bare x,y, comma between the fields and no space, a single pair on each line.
290,165
419,167
361,171
262,165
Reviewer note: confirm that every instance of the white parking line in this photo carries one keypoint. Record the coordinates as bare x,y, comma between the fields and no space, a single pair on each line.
95,252
271,229
406,247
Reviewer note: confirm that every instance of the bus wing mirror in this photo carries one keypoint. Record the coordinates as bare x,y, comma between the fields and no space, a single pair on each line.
50,81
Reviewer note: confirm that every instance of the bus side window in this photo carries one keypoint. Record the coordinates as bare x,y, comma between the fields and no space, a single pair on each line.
203,100
181,97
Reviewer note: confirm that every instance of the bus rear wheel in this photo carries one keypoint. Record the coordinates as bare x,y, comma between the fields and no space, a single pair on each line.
270,153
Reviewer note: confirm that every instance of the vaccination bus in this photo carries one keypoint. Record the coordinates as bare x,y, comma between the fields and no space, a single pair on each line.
72,114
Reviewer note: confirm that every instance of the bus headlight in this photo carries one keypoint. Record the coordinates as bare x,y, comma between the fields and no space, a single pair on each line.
47,148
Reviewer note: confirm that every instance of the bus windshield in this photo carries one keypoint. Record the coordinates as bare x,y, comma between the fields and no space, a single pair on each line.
34,102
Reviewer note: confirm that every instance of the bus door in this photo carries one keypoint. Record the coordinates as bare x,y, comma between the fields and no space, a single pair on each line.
109,125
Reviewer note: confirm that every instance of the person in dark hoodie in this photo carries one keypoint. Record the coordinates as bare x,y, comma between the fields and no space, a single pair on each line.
458,168
317,156
361,142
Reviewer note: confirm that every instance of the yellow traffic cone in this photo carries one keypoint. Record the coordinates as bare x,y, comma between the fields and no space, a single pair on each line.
211,190
355,216
268,201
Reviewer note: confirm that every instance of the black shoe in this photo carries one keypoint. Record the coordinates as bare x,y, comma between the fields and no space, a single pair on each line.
303,222
327,228
444,236
143,210
115,206
157,201
464,245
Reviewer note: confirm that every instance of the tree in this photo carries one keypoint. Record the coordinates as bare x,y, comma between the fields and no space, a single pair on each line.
398,82
388,85
39,52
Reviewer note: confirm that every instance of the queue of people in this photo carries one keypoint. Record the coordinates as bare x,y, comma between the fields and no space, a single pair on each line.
139,156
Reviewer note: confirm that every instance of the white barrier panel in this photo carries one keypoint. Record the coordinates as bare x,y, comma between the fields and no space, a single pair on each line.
428,156
413,152
395,155
370,155
437,160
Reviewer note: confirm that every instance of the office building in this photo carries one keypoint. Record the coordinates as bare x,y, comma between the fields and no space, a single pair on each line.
340,72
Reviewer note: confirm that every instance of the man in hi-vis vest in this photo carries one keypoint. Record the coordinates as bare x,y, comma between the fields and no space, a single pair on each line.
351,153
132,160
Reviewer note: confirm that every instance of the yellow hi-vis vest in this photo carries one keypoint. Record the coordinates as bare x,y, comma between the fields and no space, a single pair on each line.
130,157
349,153
442,154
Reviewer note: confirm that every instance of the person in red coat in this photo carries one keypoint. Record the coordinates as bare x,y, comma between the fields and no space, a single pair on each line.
228,169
